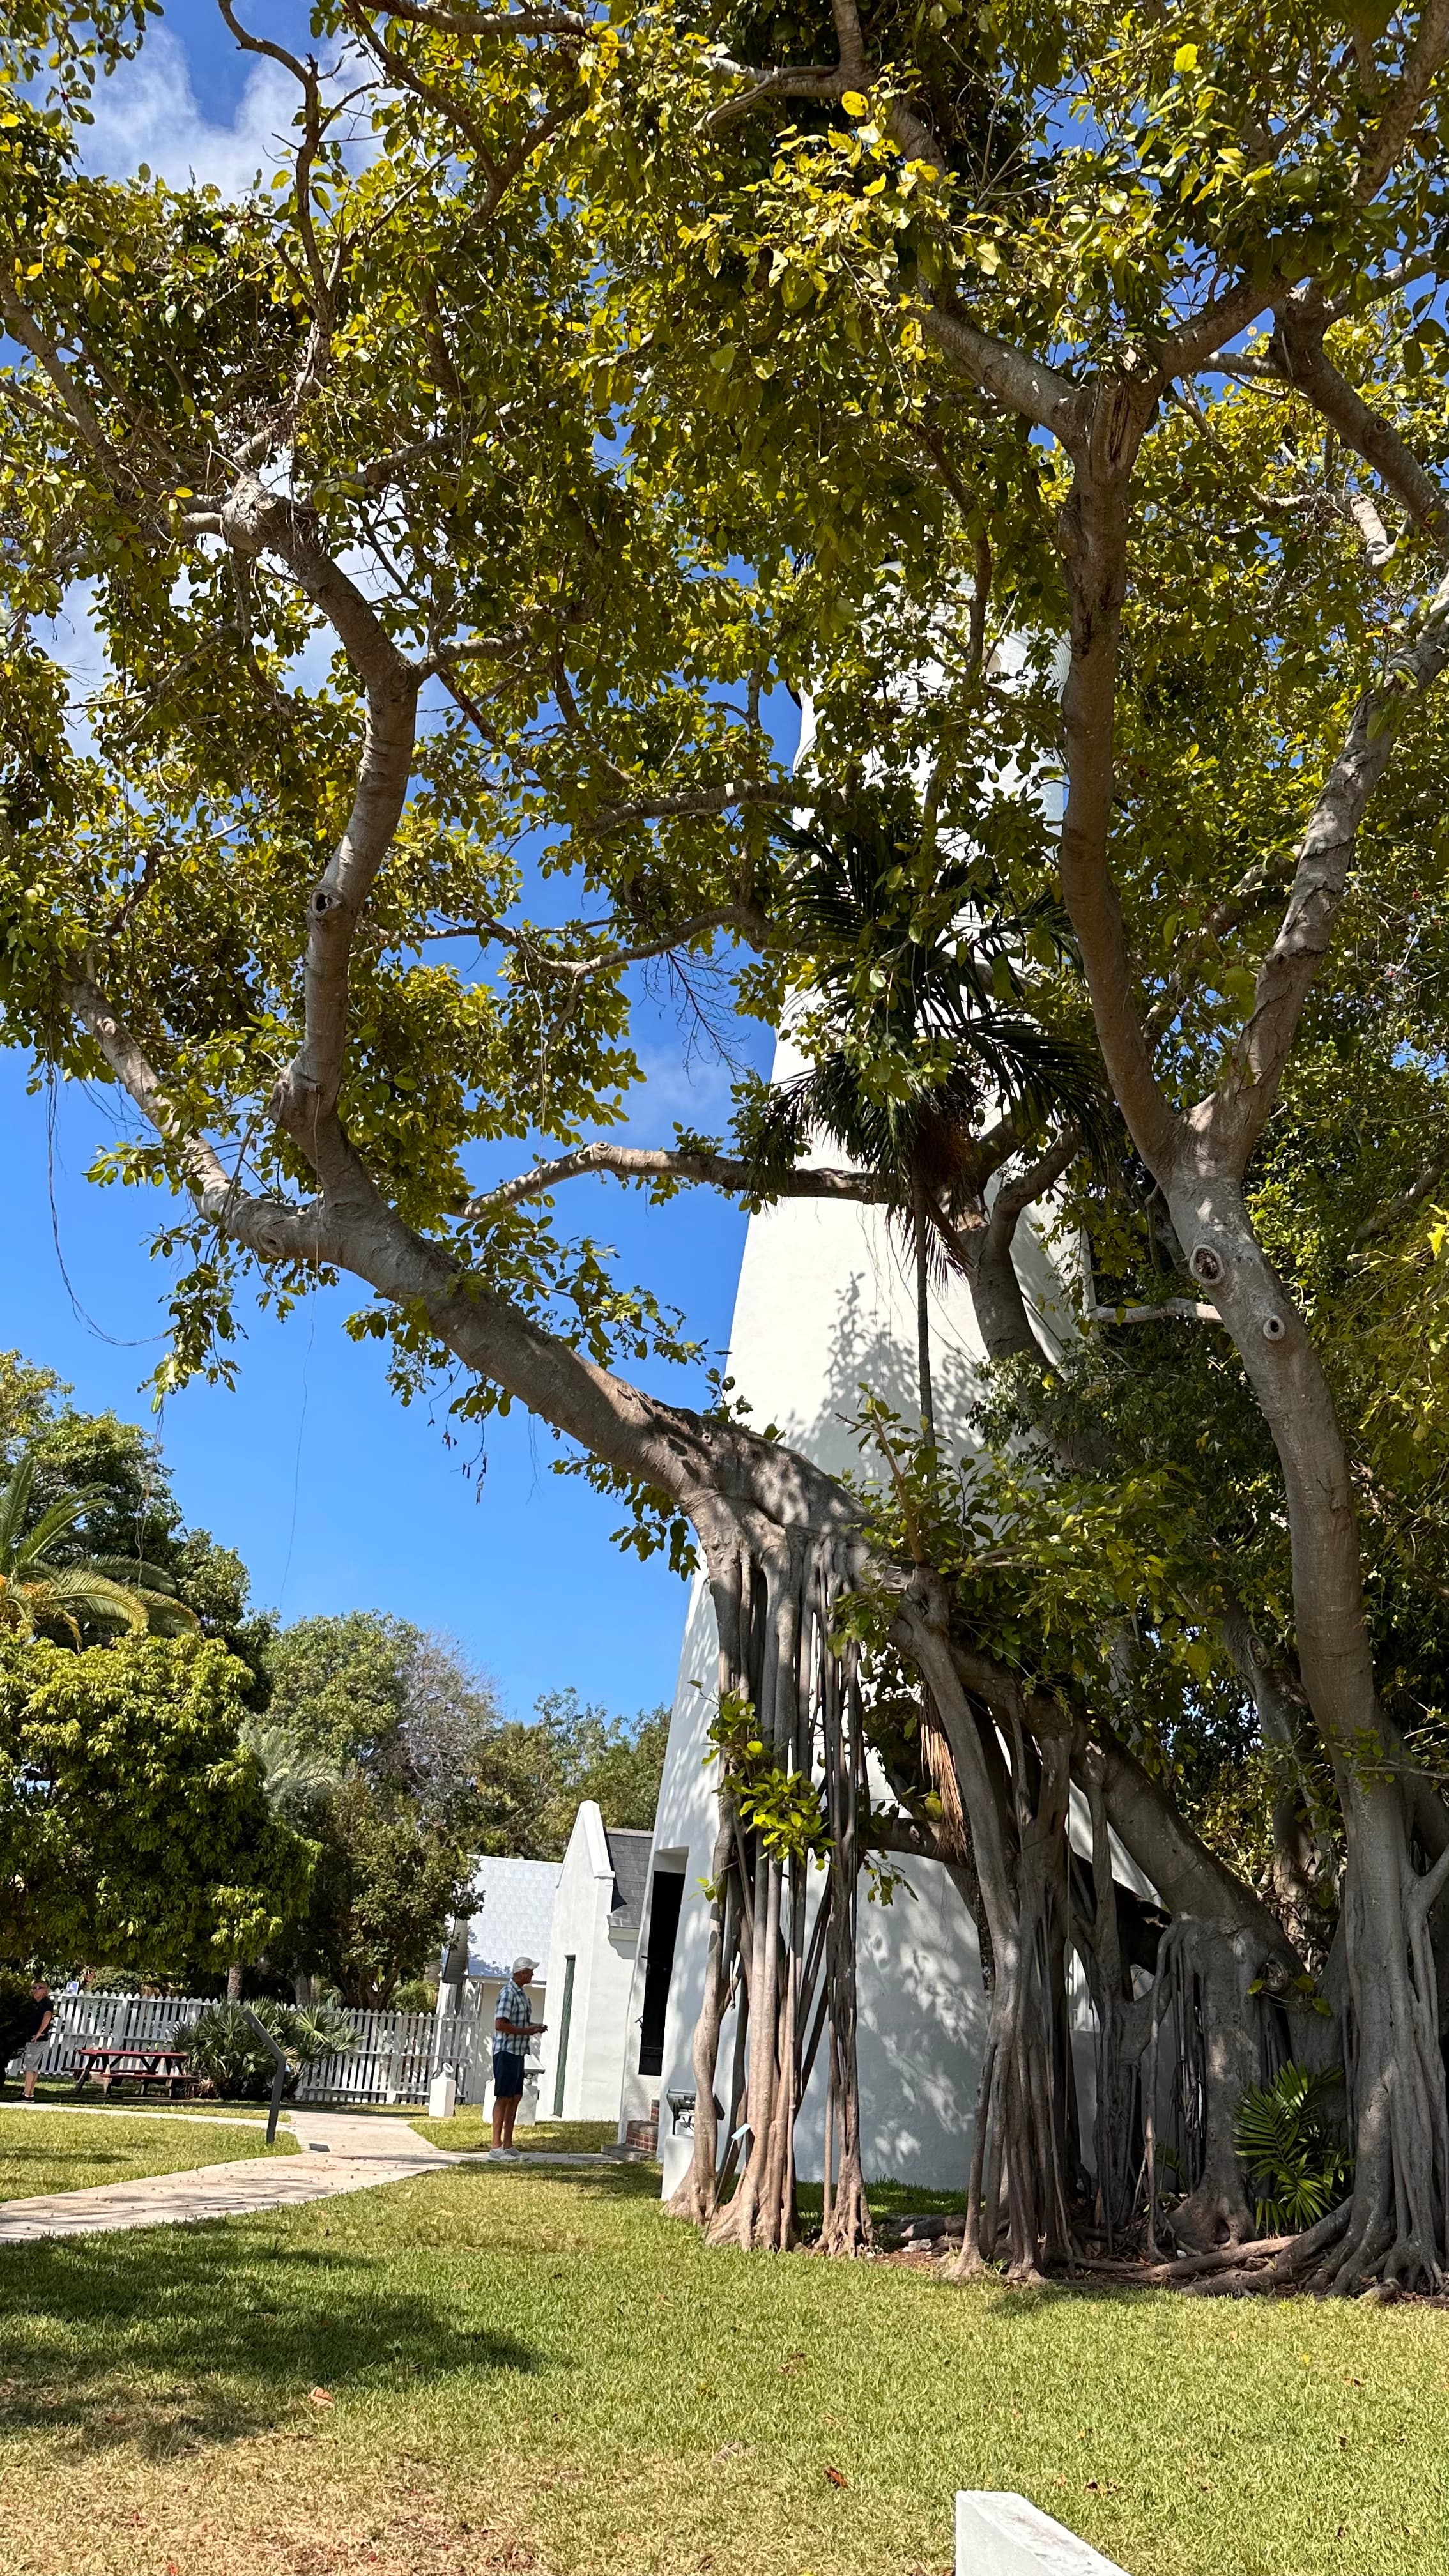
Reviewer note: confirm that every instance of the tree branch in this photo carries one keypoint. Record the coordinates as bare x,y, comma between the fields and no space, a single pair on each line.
1406,101
253,520
1015,1196
751,1181
268,1227
485,22
716,1472
701,802
1025,385
747,920
1094,549
23,326
1235,1114
1297,356
1183,1308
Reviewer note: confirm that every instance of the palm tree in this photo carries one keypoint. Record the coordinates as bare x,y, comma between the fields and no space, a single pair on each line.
296,1779
927,1038
39,1590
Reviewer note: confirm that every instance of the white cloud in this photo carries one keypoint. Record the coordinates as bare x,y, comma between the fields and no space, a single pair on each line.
148,112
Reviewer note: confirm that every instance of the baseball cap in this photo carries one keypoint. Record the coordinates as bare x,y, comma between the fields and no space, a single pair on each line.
519,1965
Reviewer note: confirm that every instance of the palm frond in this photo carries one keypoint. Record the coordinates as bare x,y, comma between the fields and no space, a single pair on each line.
297,1775
165,1614
70,1592
62,1517
136,1571
14,1502
1297,2168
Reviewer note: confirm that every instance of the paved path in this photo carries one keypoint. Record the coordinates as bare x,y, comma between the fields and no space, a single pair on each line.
360,2155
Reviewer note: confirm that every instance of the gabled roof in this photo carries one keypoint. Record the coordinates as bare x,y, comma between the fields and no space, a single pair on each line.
629,1851
513,1916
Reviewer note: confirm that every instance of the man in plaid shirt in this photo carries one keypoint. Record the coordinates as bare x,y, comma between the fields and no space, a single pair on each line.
513,2034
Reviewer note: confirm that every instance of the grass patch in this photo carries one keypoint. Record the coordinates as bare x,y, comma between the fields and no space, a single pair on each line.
467,2131
504,2368
45,2151
60,2093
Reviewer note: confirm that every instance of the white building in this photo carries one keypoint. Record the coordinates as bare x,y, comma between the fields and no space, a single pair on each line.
597,1912
826,1302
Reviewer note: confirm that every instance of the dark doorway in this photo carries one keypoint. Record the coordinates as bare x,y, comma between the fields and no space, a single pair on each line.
665,1902
570,1964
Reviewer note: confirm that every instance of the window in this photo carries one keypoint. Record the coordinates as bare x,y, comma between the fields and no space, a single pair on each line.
565,2017
664,1905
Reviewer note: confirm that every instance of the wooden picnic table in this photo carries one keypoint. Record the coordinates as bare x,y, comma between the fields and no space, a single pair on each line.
141,2066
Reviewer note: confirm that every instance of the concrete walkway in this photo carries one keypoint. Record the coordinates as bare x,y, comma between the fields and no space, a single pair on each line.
338,2154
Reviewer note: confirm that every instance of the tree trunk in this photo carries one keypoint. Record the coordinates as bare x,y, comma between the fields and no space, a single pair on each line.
775,1594
921,1234
1399,2221
1017,2160
234,1982
1226,1934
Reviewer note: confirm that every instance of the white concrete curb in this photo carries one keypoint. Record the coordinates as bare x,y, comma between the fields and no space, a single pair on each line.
1003,2535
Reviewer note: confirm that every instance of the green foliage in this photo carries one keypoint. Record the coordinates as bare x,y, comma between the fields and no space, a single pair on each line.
134,1826
782,1806
342,1685
396,1758
581,1752
124,1515
386,1883
222,2047
14,1998
924,1030
416,1994
666,428
40,1589
1297,2168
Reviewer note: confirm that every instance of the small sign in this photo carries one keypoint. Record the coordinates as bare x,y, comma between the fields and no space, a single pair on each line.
1004,2535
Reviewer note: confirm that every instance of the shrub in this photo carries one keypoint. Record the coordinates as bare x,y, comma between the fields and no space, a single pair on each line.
14,1998
1296,2166
224,2050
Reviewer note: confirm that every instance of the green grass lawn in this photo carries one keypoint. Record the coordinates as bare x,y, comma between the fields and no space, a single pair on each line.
42,2151
503,2368
59,2091
467,2131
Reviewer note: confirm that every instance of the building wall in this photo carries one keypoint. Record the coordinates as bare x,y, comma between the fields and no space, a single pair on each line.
603,1980
825,1306
826,1301
921,2007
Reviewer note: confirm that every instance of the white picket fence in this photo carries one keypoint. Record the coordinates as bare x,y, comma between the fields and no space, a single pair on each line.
393,2056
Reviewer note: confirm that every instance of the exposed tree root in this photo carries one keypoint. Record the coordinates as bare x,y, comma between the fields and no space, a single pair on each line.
781,1945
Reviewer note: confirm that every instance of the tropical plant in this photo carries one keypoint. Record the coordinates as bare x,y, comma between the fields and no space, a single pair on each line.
299,1778
418,1994
40,1590
224,2050
922,1032
1297,2167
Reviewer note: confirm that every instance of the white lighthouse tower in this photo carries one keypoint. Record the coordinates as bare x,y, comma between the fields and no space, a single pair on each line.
825,1306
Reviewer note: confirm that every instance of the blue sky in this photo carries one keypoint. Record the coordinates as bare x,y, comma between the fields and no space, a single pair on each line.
336,1496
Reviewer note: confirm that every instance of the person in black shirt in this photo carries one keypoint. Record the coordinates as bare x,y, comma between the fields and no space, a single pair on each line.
35,2029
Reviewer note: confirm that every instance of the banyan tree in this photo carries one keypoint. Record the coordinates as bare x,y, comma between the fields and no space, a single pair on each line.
455,518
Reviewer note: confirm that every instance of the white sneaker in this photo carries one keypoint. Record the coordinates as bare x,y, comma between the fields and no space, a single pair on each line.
504,2156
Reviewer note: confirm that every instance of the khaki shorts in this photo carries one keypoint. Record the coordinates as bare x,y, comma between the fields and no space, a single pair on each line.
34,2051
